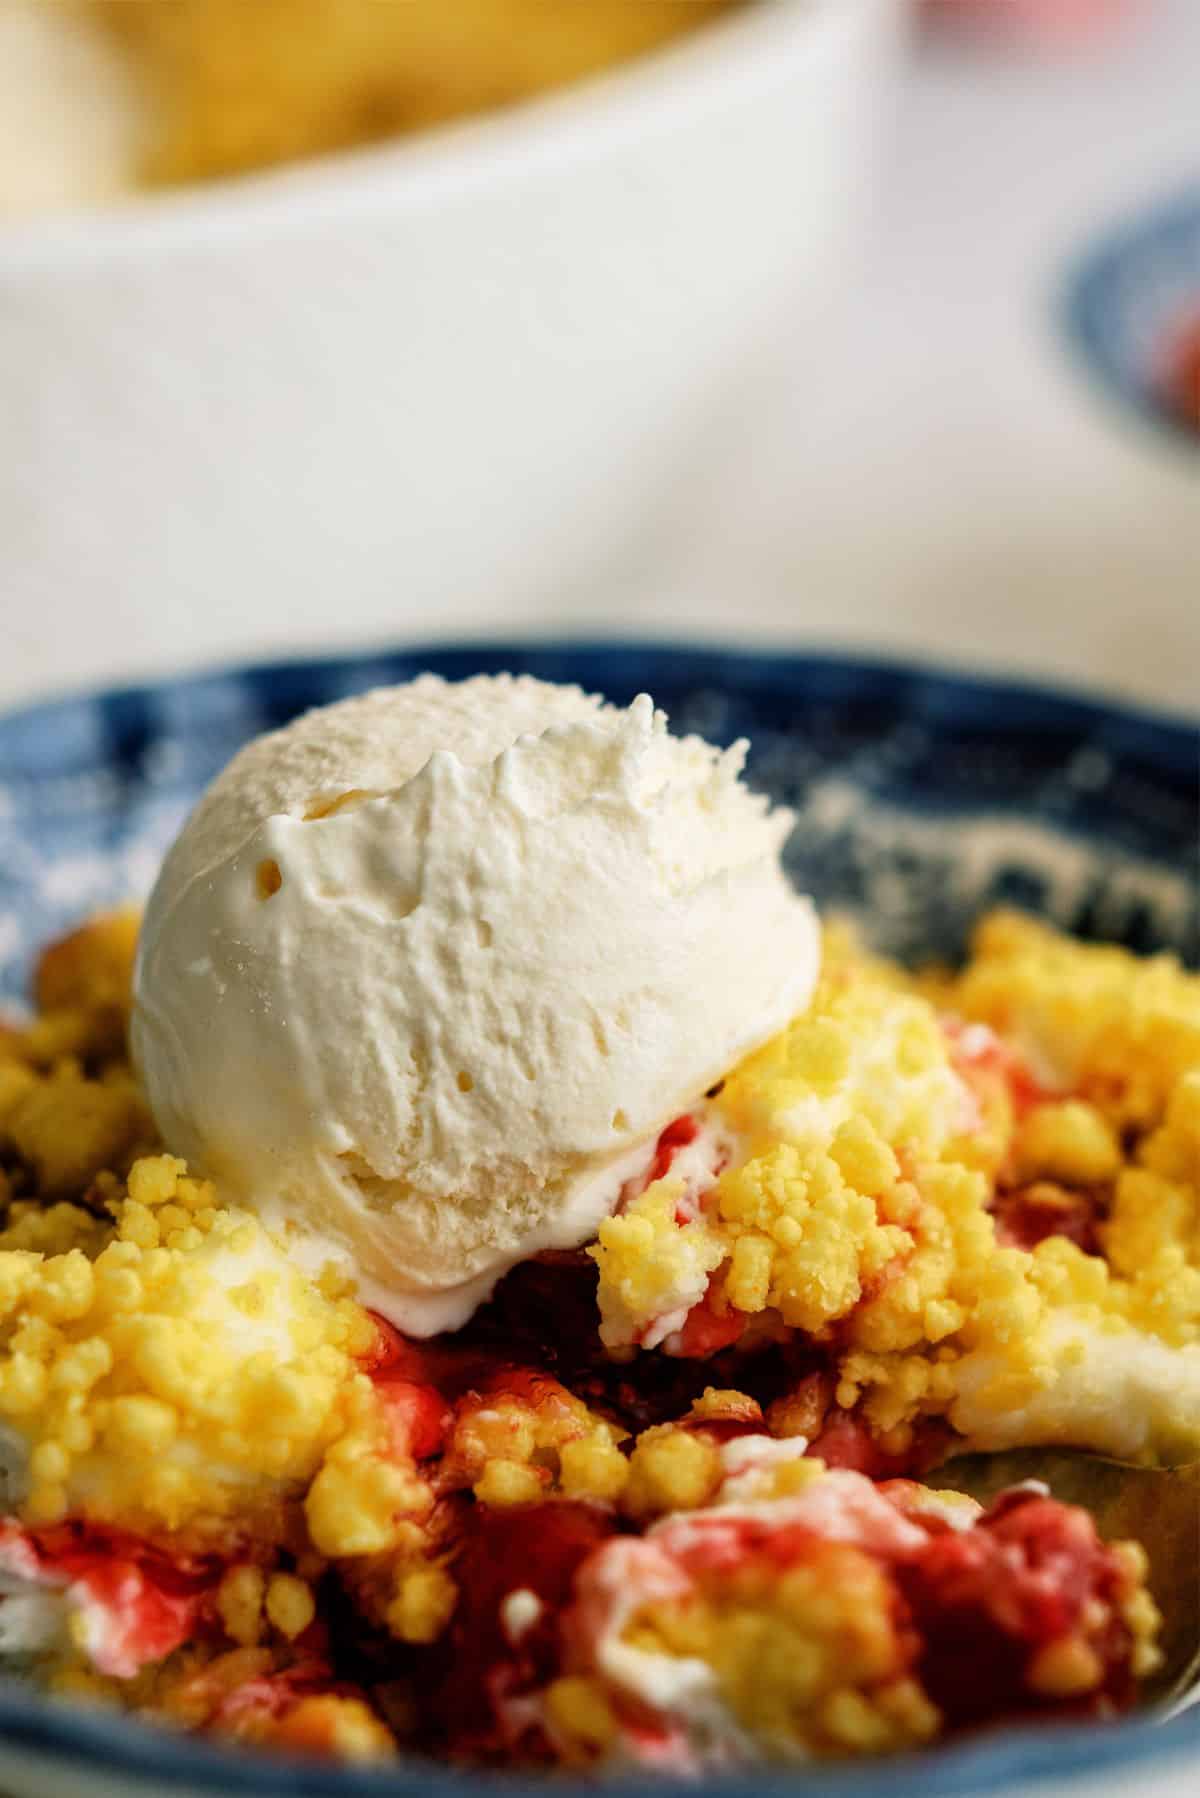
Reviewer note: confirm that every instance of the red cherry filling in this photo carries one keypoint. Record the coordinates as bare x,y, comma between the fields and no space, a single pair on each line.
493,1655
1033,1576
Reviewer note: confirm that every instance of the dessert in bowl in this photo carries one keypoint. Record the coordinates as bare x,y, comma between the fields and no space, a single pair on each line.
509,1313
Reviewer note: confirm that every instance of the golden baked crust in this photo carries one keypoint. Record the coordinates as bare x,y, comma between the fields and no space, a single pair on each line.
242,84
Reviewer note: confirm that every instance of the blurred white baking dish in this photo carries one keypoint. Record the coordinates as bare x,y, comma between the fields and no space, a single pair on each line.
444,376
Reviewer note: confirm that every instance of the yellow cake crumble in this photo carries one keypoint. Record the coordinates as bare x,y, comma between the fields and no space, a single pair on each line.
809,1661
1119,1029
860,1206
170,1363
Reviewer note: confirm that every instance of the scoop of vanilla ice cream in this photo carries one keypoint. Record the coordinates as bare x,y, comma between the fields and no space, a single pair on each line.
427,972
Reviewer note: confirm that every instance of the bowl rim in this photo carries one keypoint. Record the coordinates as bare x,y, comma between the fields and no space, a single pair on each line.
39,1732
738,50
1174,731
147,1758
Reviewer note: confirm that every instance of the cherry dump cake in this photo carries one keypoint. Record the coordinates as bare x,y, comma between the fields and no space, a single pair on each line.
505,1307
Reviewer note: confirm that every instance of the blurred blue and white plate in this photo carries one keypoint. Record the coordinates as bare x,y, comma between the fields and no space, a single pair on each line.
922,798
1133,310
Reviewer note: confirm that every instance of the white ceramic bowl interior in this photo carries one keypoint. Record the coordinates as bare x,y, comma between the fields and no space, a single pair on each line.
455,369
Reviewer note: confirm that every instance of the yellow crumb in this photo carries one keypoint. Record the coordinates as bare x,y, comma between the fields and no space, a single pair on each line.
809,1659
650,1264
670,1469
359,1501
290,1605
581,1716
240,1603
423,1604
593,1467
506,1483
1068,1141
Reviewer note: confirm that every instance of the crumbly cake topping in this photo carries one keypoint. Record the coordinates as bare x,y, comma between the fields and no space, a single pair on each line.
878,1134
958,1202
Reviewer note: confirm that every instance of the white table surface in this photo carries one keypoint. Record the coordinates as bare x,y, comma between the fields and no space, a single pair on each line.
948,481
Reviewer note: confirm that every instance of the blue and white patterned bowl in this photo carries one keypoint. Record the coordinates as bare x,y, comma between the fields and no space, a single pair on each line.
1129,296
922,798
